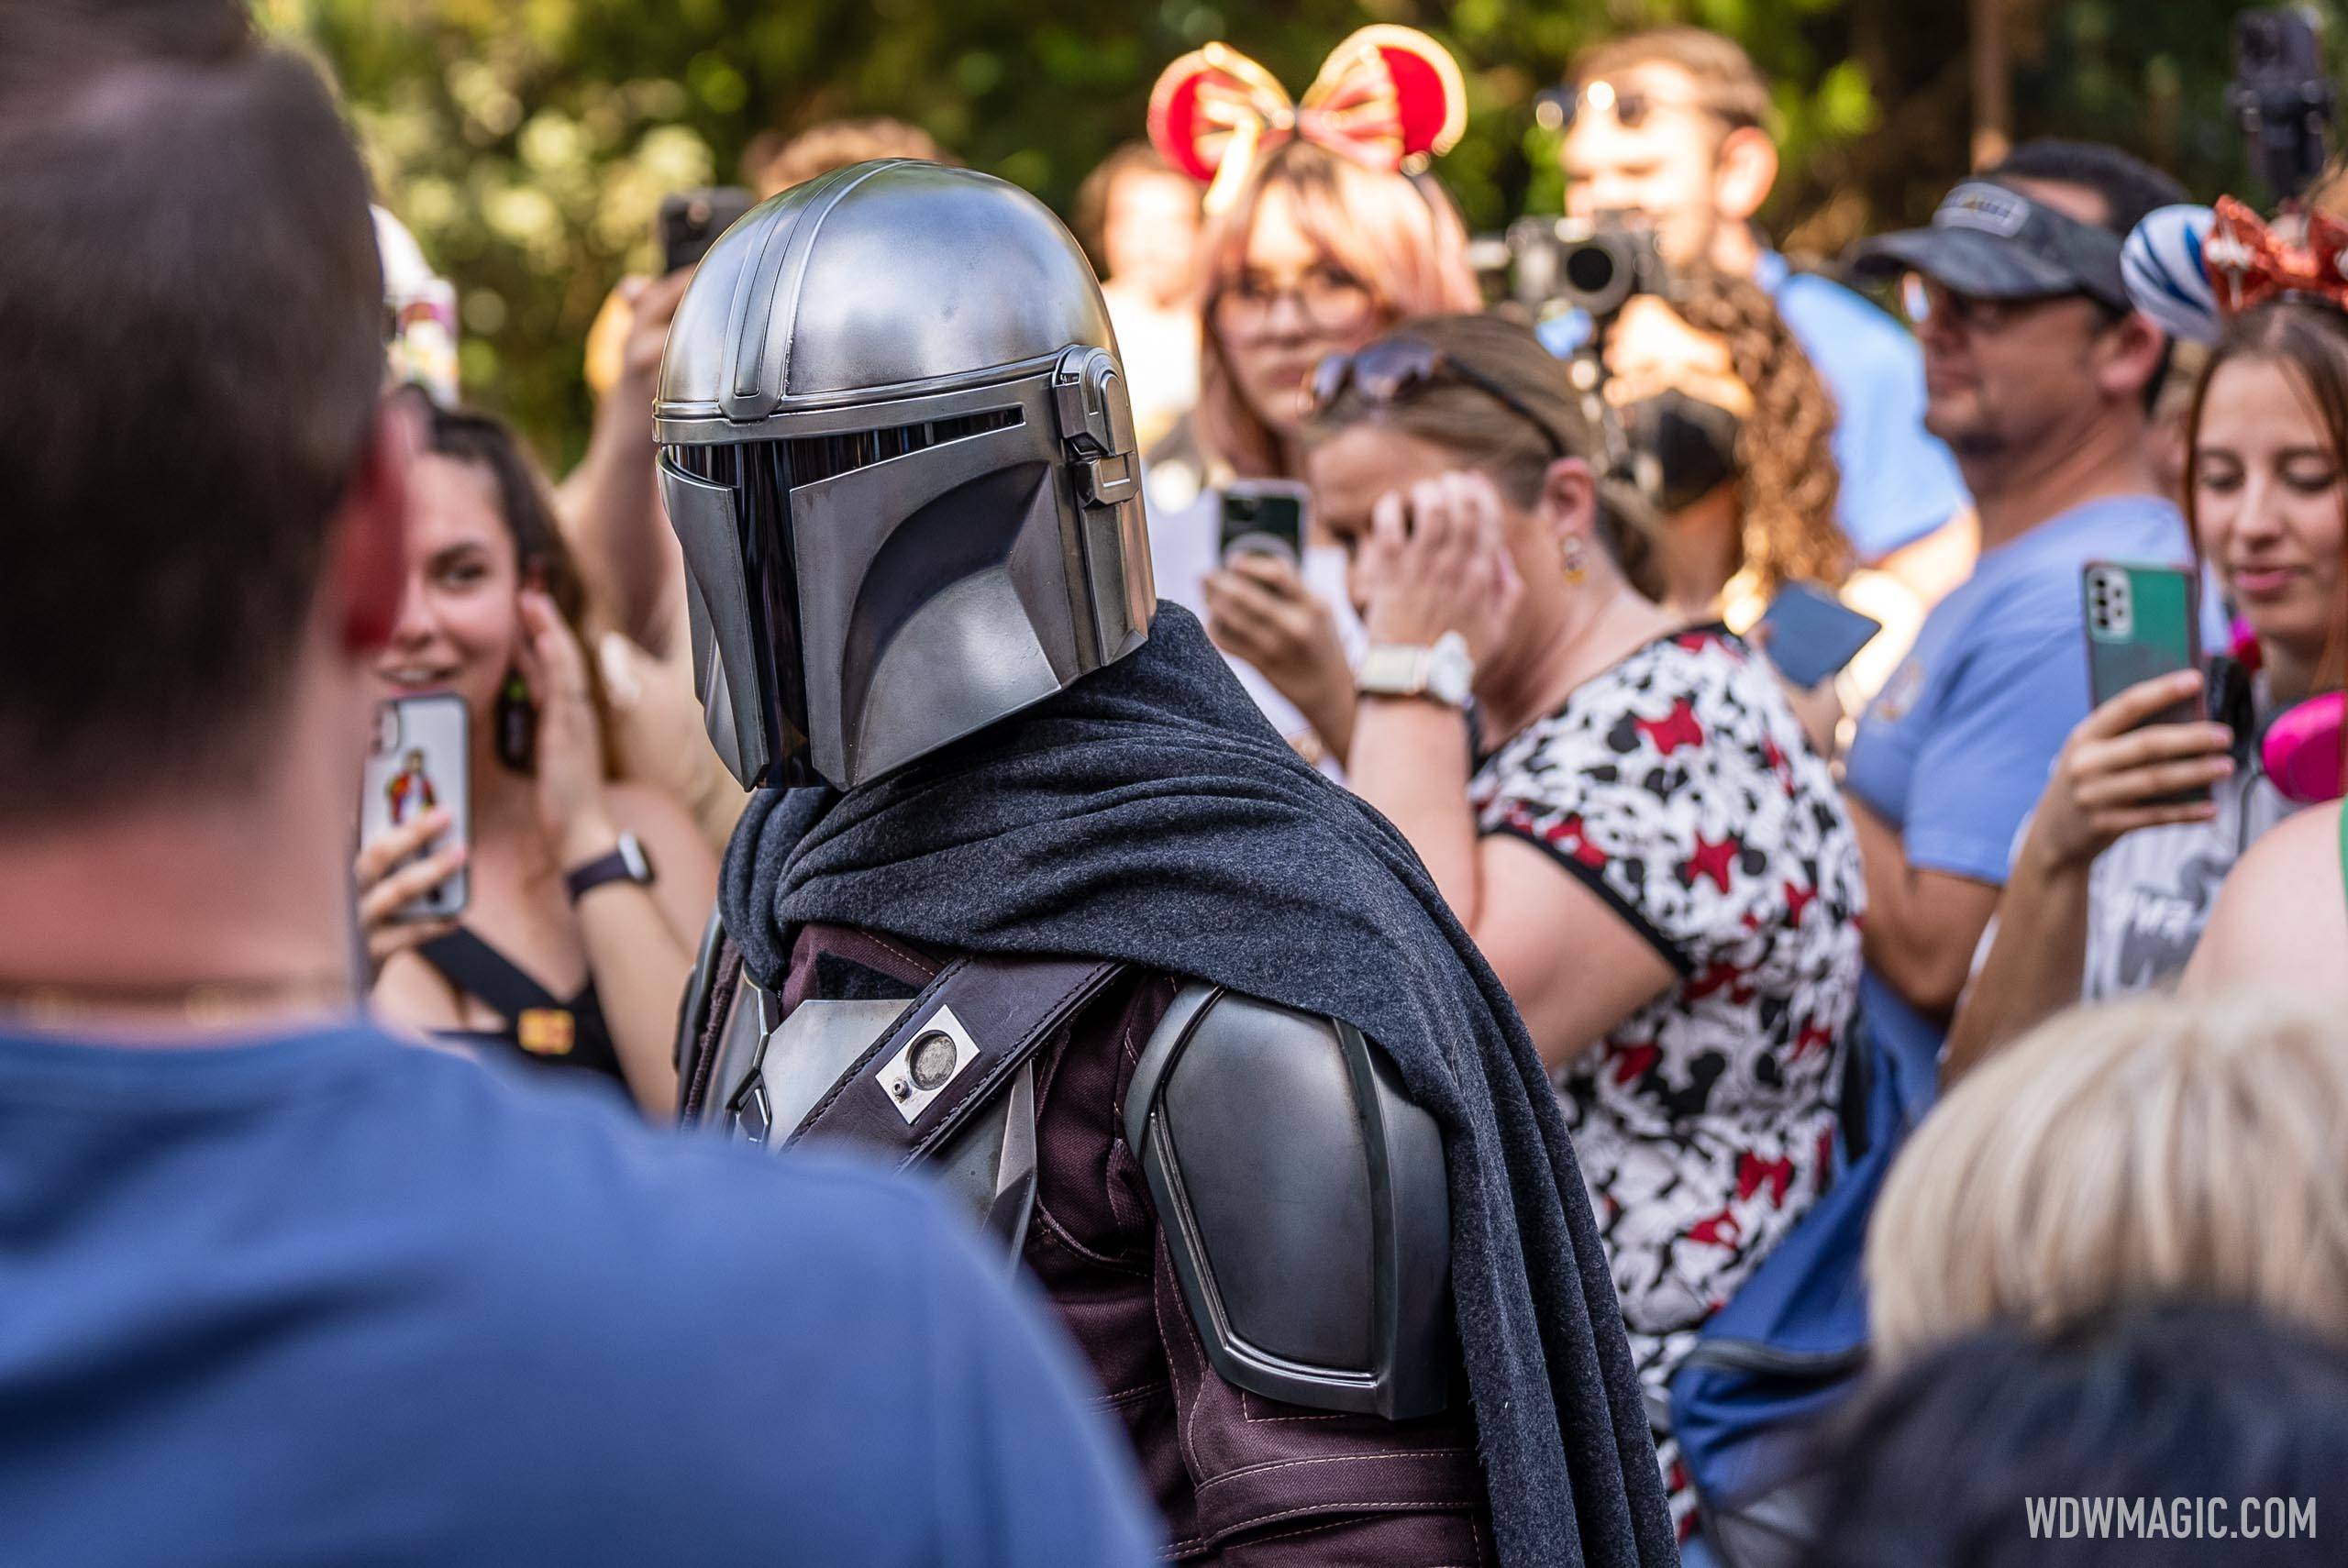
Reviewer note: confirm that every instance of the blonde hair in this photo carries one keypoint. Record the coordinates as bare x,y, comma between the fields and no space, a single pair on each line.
1404,244
2156,1147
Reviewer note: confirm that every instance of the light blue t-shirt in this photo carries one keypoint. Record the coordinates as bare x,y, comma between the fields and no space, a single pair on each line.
1955,751
1899,483
331,1299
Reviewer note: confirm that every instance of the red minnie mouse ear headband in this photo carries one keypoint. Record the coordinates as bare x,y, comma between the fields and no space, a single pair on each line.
2249,263
1384,97
2194,269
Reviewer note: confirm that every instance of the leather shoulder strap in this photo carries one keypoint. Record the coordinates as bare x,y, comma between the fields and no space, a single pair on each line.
707,1006
971,1029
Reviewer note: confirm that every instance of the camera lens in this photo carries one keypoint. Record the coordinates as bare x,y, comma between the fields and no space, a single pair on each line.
1591,269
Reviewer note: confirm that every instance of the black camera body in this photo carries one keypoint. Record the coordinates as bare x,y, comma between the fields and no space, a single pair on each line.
1561,264
2281,96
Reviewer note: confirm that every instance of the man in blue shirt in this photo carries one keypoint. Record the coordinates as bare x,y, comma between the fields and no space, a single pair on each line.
279,1287
2041,377
1672,126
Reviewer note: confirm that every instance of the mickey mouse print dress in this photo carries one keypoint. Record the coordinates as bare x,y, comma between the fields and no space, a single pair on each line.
1679,788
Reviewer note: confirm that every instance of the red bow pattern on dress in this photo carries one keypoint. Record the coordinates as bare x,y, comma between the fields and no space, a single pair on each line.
2247,262
1386,95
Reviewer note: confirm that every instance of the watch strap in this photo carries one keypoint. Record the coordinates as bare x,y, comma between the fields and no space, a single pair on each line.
625,862
1393,670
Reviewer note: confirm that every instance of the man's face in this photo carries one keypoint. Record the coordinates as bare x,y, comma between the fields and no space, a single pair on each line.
2003,376
1662,168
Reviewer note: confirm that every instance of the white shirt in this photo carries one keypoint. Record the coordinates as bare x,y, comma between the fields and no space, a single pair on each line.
1184,549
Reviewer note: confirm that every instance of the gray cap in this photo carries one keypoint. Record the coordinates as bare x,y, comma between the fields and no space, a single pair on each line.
1991,241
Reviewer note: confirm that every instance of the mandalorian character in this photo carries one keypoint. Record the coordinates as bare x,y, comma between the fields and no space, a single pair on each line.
1032,899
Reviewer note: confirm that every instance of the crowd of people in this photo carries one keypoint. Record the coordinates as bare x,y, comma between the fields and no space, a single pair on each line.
1416,994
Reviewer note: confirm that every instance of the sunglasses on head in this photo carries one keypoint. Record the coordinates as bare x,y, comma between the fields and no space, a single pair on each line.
1557,108
1392,368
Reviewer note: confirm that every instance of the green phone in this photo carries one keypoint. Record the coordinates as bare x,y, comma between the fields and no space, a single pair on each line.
2144,622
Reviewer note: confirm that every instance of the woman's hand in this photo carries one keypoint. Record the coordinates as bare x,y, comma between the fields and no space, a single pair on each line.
385,885
1818,709
1435,560
572,811
1259,609
2111,776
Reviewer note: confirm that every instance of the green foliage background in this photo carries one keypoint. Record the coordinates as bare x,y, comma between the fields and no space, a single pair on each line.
528,142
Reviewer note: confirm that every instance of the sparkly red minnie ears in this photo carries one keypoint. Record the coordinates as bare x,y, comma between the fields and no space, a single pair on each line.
1384,96
2248,262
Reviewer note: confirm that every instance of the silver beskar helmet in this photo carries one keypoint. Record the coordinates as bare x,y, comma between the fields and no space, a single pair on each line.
896,445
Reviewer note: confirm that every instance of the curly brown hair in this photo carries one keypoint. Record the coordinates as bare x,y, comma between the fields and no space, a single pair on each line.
1786,481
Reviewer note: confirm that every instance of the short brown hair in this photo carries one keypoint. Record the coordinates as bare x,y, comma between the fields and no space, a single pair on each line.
776,164
1092,210
192,323
1731,85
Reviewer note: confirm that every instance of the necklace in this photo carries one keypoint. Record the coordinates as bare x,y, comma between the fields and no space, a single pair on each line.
208,1004
1568,655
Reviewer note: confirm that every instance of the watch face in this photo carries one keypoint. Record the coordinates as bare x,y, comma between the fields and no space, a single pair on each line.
1450,672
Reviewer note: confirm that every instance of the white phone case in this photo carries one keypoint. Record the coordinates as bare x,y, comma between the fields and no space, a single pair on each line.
417,761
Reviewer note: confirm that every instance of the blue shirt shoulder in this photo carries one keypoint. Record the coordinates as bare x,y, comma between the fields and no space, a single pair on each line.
334,1298
1953,752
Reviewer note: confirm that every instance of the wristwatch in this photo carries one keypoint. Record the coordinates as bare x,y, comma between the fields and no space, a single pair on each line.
1445,672
625,864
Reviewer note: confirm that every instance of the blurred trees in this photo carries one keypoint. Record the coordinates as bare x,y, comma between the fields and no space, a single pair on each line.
528,142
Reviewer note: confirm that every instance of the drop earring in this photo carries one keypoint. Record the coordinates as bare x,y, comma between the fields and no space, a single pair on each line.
517,724
1575,555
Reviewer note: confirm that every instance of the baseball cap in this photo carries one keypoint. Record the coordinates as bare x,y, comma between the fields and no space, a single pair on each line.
1991,241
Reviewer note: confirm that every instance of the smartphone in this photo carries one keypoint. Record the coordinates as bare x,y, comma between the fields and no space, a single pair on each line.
1266,517
2144,622
691,221
1813,635
416,761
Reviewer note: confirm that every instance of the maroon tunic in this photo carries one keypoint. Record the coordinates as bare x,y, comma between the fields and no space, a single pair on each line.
1242,1480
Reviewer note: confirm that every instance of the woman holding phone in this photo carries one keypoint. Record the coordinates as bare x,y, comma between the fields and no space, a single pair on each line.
1316,245
1631,824
2118,870
587,896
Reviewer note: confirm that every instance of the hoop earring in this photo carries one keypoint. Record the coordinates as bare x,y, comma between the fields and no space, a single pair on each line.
516,722
1575,557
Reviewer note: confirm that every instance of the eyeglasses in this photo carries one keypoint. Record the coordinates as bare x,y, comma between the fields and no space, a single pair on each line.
1558,108
1328,299
1925,300
1392,368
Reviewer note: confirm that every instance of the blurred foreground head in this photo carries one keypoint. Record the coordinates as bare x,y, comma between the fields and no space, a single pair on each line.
2157,1148
2221,1419
191,316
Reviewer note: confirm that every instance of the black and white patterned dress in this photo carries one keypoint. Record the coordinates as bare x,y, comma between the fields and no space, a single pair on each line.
1679,788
